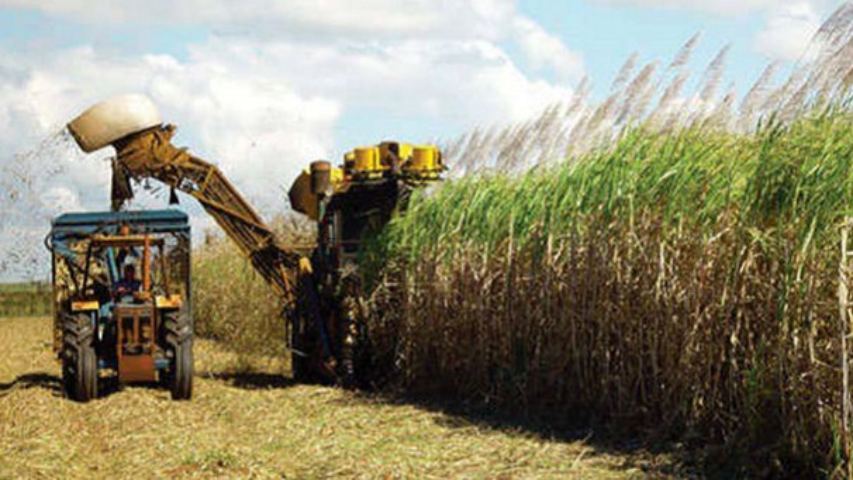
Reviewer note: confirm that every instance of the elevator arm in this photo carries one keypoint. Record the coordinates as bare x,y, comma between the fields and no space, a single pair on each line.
150,154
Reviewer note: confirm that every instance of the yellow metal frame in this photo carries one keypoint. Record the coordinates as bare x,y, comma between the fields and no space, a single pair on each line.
171,301
303,200
85,305
151,154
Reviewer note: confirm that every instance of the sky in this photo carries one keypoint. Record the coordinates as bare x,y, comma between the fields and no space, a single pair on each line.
263,87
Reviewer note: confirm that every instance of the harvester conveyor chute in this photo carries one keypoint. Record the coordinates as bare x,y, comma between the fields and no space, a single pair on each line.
150,154
131,123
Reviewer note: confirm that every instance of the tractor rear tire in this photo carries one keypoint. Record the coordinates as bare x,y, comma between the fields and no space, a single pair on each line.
79,360
179,339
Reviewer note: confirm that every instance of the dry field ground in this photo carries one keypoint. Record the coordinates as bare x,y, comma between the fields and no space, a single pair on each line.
259,425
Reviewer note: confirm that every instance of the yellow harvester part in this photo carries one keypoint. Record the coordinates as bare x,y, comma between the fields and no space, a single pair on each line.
303,200
425,161
367,160
404,150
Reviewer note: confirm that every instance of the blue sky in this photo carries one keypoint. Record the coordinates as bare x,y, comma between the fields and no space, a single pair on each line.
603,33
608,34
262,87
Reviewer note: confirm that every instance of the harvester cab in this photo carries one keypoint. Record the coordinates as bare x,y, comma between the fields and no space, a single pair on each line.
357,198
108,318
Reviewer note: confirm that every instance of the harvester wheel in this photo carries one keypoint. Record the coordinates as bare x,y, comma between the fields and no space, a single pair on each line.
304,341
79,361
353,346
347,369
179,339
299,359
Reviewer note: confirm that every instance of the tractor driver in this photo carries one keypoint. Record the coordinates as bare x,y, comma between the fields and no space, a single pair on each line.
128,285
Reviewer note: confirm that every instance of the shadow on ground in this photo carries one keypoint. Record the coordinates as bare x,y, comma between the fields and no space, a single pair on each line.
27,381
252,380
110,386
647,459
106,386
651,459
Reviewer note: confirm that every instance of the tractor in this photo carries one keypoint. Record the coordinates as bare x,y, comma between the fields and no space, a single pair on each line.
110,321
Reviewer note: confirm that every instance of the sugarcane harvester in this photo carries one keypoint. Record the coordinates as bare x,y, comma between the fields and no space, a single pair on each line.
321,292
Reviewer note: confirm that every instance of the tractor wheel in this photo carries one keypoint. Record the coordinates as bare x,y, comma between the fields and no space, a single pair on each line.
179,340
79,361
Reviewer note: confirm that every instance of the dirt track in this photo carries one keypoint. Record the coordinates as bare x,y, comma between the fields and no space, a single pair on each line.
258,425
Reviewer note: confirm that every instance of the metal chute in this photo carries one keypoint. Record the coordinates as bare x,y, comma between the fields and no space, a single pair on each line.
131,123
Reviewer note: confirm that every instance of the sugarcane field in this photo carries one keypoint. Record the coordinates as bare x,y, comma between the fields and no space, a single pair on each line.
498,239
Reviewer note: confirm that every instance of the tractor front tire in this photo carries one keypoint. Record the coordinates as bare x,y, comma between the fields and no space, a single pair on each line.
79,360
179,339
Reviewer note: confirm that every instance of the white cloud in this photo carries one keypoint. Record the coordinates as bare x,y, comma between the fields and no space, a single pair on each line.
261,111
262,106
254,126
788,32
723,7
464,82
293,18
333,22
546,50
257,128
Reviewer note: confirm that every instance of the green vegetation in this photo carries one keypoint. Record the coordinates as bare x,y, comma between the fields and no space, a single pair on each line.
24,299
682,284
781,178
233,304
